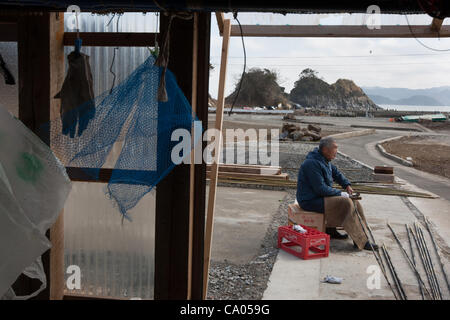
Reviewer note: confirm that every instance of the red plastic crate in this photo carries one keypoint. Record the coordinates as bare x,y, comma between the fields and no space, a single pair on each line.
312,244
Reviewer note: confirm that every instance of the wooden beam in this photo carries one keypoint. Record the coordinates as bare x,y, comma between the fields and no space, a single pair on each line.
220,17
248,169
112,39
215,163
250,176
57,72
203,56
436,24
338,31
192,165
8,33
41,71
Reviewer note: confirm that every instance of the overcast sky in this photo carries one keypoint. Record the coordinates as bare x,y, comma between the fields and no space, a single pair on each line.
380,62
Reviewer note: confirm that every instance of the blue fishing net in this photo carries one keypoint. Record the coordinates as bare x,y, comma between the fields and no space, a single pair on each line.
125,129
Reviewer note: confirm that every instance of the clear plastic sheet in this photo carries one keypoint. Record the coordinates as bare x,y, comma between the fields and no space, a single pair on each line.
33,190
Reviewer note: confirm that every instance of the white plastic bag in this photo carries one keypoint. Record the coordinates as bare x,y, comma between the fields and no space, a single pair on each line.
33,188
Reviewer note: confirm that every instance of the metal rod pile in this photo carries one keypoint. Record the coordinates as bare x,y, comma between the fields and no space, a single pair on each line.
419,278
426,262
434,292
427,223
413,258
361,188
376,254
394,275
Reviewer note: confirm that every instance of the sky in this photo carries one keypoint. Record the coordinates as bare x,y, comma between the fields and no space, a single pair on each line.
369,62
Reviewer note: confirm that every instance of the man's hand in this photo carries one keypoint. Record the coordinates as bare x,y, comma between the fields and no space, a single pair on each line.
349,190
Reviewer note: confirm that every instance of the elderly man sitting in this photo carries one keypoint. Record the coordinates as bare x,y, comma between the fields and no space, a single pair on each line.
315,193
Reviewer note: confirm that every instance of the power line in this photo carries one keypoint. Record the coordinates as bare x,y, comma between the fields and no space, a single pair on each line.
326,57
245,64
335,65
420,42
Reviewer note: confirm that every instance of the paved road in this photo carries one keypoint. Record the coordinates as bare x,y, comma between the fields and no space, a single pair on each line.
362,149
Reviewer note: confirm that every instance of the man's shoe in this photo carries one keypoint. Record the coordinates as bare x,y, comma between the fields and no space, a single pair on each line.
334,234
367,246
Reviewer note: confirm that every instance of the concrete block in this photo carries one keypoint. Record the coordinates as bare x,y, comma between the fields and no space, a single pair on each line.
383,177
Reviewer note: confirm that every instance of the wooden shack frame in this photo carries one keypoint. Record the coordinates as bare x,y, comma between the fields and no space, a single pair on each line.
182,244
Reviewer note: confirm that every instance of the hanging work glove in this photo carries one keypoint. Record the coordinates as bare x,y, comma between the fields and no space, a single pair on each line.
9,79
77,95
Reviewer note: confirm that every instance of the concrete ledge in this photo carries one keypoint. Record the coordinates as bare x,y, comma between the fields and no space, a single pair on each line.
351,134
424,129
388,128
390,155
354,160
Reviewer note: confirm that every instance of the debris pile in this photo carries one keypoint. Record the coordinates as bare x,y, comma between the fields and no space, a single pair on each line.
290,117
296,133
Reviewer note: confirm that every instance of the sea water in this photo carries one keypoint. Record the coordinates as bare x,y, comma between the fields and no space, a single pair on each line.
415,108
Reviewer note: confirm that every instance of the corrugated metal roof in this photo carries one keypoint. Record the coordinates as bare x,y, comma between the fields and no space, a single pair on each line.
288,6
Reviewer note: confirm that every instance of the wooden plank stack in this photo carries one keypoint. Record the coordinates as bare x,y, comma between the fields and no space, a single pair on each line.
245,172
383,174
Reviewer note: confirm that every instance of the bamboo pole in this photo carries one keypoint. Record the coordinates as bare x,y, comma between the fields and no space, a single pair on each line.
286,183
217,152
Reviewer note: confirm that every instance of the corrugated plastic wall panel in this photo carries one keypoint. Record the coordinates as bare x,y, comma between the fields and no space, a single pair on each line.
116,257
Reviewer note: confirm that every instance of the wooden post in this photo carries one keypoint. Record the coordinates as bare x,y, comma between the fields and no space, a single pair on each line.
41,72
436,24
198,241
172,225
215,164
192,165
220,19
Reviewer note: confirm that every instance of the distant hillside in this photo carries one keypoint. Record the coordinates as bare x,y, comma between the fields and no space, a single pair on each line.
311,91
405,96
416,100
259,88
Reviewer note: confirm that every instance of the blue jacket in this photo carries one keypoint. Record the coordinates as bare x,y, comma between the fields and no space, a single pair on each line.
315,181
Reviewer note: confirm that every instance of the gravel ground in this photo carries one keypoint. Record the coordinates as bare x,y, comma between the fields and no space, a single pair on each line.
229,281
293,154
249,281
429,153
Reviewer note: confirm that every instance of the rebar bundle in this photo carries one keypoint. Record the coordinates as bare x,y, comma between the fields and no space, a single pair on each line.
376,254
413,258
397,282
427,262
419,278
427,223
